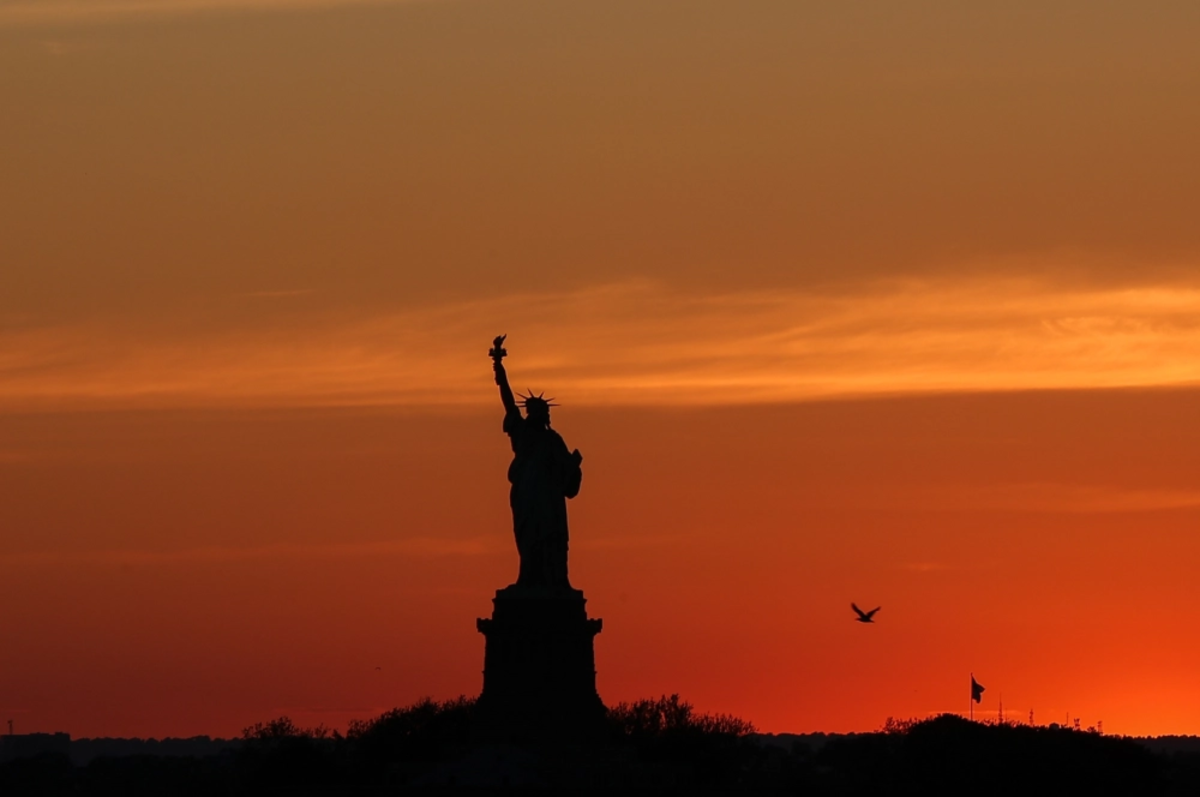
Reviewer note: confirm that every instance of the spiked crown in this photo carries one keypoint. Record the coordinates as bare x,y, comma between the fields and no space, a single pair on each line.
536,401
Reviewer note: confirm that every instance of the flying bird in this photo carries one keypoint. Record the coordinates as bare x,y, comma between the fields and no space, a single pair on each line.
864,617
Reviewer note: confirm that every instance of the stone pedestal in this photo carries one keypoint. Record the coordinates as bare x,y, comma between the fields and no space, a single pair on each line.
539,668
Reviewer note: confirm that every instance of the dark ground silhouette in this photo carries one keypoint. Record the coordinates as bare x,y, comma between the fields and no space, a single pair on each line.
653,746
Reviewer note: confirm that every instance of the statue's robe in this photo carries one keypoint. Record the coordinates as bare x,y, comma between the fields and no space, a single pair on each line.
544,474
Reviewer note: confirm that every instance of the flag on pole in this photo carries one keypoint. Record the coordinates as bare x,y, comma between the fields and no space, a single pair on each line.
976,689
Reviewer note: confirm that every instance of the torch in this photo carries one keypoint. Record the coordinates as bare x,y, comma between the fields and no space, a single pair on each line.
498,352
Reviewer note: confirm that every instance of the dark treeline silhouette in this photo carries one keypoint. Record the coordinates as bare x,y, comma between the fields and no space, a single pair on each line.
82,751
653,746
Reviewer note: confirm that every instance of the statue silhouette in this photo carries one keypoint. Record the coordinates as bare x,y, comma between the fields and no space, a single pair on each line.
544,474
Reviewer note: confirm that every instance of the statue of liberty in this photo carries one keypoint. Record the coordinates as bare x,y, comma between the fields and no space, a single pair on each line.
544,474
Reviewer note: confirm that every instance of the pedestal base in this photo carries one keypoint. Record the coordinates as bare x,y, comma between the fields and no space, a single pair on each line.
539,668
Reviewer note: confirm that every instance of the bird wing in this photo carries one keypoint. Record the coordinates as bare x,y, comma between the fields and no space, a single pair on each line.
871,613
857,610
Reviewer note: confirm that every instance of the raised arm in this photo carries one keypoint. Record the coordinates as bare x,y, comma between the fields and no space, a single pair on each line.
506,395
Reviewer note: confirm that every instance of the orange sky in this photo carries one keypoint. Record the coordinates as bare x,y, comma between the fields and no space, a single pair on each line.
898,306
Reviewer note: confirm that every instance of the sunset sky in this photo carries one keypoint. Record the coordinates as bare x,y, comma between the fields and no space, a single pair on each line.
888,303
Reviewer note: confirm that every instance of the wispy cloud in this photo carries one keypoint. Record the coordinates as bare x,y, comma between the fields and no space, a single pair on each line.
1069,498
57,48
1049,497
275,294
639,343
415,546
41,12
628,542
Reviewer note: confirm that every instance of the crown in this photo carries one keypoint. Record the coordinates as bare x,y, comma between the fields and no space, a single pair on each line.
535,399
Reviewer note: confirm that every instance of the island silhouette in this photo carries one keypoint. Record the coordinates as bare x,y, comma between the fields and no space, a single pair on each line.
654,746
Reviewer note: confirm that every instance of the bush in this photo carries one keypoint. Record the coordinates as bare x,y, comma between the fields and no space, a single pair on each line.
422,732
670,716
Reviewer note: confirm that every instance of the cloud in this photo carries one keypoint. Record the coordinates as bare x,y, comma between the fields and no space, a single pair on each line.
629,542
1043,497
1084,498
414,546
275,294
637,343
42,12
